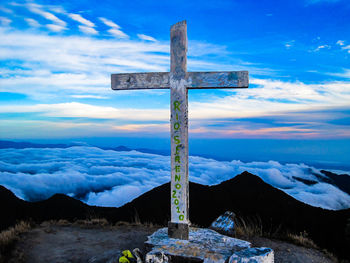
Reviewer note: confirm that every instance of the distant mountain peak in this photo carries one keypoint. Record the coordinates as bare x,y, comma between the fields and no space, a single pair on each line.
246,175
246,178
122,148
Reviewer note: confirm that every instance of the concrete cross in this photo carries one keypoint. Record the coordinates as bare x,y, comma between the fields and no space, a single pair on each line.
179,81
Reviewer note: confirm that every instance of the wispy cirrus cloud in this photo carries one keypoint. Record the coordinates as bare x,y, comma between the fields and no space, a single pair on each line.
88,97
109,23
340,42
58,24
76,66
80,110
290,97
145,37
299,111
6,10
345,73
81,20
114,28
32,22
86,26
88,30
82,64
4,21
347,48
289,44
322,47
72,63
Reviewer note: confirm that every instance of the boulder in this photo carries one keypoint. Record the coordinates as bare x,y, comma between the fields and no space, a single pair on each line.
203,245
225,224
253,255
156,257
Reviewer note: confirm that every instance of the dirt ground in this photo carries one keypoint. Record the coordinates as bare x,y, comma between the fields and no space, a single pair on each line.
290,253
76,244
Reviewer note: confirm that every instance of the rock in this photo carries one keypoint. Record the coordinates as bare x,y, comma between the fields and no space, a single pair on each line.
138,255
204,245
253,255
224,224
156,257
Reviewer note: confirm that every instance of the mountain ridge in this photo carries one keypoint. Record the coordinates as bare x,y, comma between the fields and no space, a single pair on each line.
246,194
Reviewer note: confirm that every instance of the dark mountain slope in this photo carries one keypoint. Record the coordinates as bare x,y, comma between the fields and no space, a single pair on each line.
61,206
58,206
11,207
250,198
246,194
342,181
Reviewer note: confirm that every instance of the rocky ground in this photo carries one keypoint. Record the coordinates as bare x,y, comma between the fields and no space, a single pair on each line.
57,243
290,253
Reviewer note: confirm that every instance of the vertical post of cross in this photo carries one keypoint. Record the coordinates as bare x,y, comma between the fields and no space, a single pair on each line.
178,227
179,81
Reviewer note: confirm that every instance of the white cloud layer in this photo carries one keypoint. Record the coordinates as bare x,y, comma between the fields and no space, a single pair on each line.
111,178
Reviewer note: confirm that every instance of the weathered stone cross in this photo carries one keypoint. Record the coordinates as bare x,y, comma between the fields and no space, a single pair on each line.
179,81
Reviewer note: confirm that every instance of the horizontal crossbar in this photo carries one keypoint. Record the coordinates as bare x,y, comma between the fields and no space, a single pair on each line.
195,80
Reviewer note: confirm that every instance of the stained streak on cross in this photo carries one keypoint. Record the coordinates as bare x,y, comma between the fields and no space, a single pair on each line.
179,81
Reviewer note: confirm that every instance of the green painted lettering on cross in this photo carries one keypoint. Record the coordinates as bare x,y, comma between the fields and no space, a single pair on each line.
177,177
177,105
176,126
176,139
177,149
177,168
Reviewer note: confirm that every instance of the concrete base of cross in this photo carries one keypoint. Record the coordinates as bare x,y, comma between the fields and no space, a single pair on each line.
204,245
178,230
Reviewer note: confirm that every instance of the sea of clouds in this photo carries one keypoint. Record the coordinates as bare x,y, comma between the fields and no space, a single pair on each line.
113,178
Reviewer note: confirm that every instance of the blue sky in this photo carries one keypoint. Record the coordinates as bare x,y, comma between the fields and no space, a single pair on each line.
56,58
